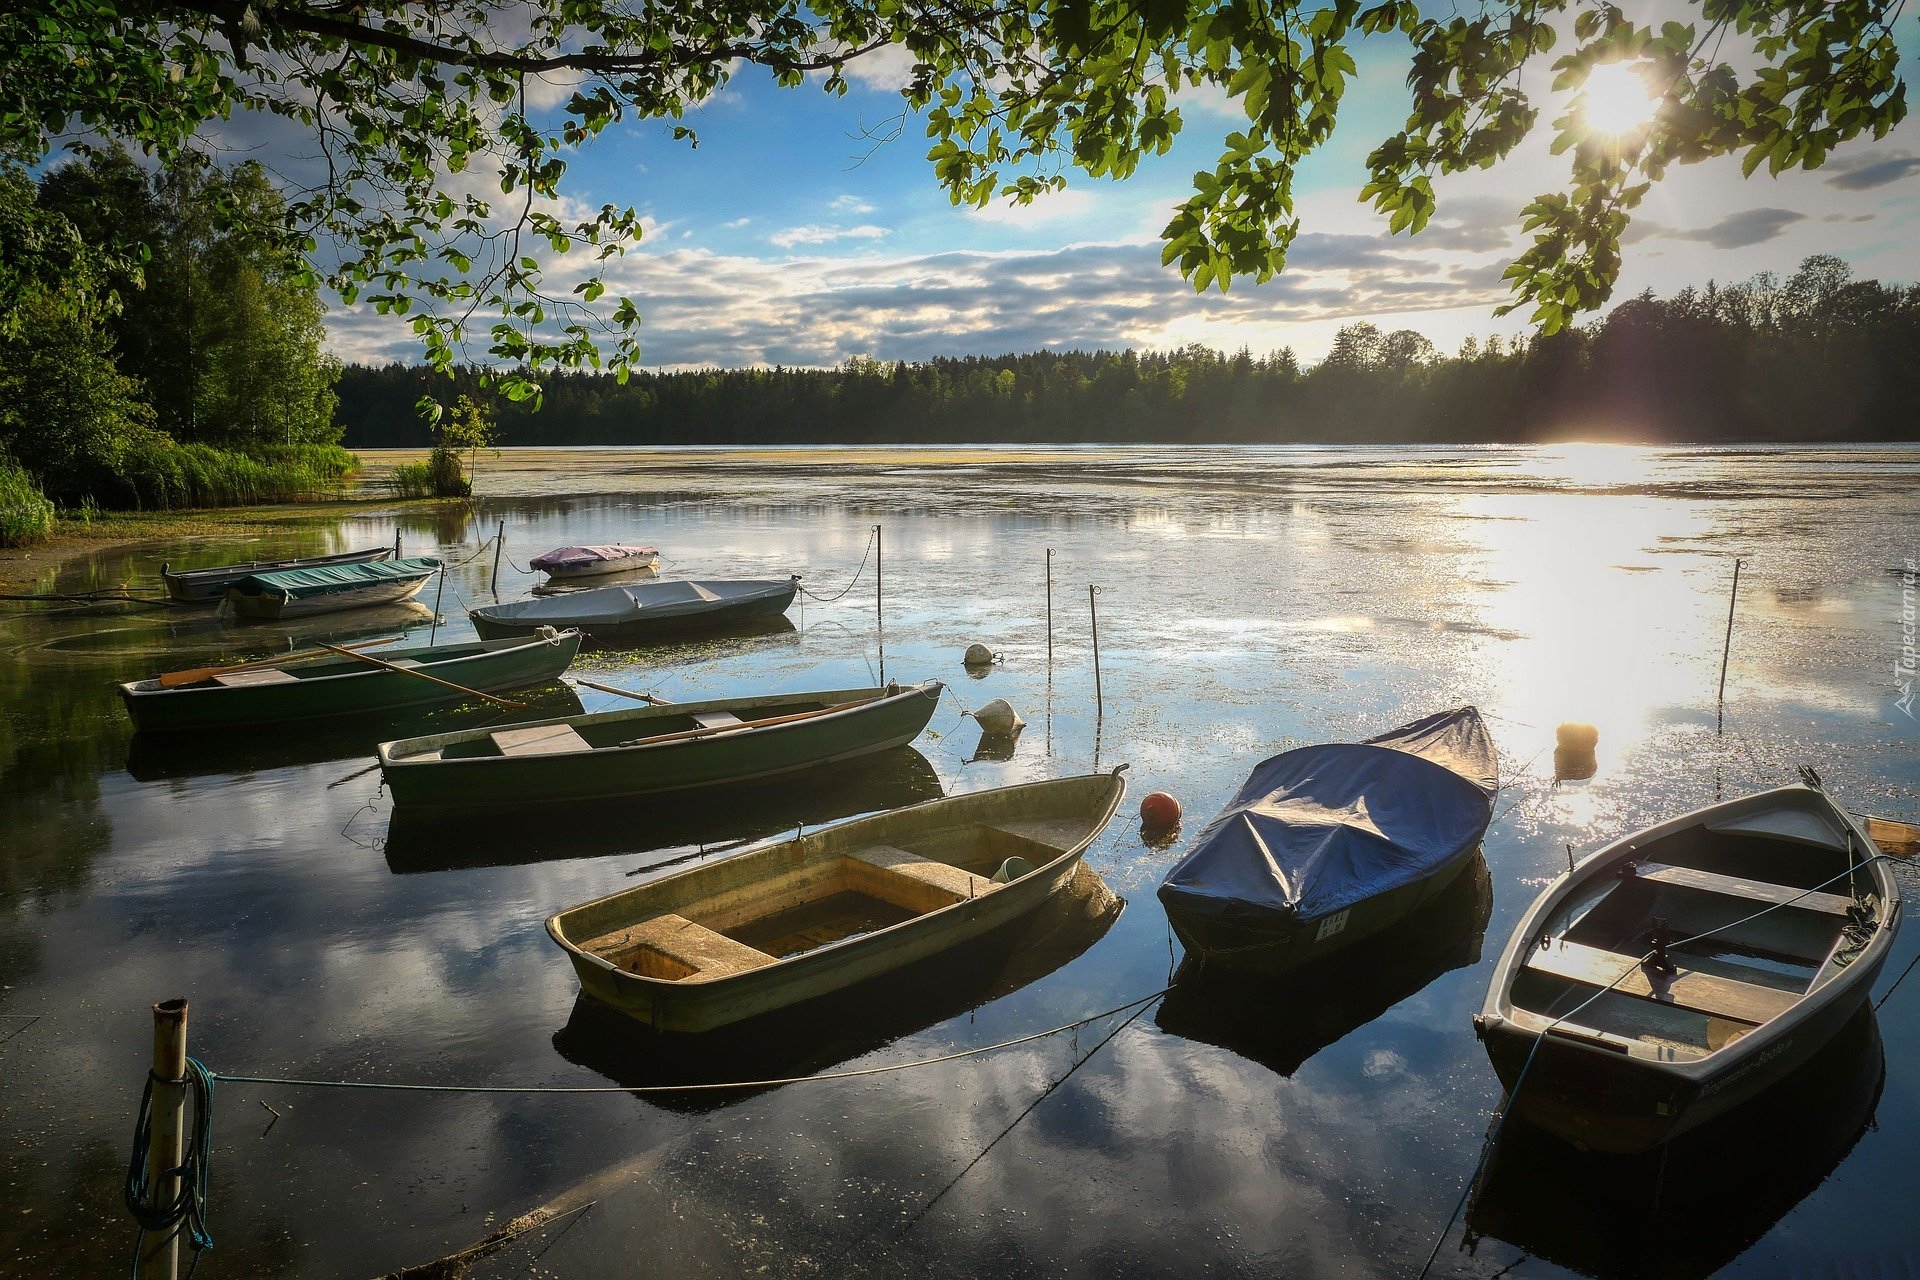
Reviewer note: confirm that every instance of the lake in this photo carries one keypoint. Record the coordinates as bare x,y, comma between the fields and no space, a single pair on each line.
1249,601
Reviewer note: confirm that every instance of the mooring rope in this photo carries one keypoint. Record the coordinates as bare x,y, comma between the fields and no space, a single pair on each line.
1500,1121
864,557
189,1207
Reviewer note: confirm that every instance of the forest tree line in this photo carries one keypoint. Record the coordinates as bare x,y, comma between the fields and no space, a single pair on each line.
160,338
1816,356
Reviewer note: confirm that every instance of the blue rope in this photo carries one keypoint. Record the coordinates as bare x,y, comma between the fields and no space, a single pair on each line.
189,1207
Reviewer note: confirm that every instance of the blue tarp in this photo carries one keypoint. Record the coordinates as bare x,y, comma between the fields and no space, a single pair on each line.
1316,830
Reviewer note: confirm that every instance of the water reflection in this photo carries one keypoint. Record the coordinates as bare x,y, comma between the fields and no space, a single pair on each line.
811,1037
1688,1210
1282,1021
677,827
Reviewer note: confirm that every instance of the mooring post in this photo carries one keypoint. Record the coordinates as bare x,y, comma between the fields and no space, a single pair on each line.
438,587
1093,612
1726,648
396,542
879,595
159,1257
1049,613
499,543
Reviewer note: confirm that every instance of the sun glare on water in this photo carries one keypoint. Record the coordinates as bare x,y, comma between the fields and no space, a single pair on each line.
1616,100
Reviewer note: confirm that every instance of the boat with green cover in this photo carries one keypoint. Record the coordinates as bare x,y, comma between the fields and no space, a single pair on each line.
299,593
801,918
654,749
209,586
328,684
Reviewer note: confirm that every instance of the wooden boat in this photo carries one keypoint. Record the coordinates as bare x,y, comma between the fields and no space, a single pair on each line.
1681,970
1327,845
567,564
330,685
641,610
773,926
209,586
300,593
655,749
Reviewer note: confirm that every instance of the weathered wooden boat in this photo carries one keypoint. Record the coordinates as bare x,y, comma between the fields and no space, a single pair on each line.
1681,970
566,564
1327,845
641,610
787,922
300,593
330,685
209,586
656,749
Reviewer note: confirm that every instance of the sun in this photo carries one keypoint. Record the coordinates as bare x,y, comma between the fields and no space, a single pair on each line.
1616,100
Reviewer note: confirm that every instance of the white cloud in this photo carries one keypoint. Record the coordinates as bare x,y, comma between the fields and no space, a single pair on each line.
825,235
1074,202
853,206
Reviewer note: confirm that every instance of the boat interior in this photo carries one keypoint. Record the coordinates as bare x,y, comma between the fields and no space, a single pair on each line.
318,668
1698,994
632,729
730,919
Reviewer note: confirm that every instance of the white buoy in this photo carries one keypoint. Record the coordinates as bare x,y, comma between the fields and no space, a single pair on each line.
978,655
997,717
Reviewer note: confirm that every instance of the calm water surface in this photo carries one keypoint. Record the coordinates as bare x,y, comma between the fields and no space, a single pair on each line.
1250,601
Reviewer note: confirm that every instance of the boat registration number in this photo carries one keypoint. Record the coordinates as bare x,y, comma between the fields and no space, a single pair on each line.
1331,925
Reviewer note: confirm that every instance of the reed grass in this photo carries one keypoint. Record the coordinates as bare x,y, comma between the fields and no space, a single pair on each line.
26,516
197,475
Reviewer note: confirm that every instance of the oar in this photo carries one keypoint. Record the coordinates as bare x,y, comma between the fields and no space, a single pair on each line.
746,724
1899,839
625,693
409,671
195,676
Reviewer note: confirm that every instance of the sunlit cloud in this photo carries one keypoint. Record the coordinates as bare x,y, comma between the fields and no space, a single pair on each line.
825,235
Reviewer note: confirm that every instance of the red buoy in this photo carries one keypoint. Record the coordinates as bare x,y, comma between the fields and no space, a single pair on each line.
1159,811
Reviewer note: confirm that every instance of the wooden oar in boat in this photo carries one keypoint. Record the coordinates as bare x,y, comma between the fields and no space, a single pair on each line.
370,660
172,679
655,699
744,724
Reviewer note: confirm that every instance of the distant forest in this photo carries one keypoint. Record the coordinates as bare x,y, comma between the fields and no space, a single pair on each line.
1818,356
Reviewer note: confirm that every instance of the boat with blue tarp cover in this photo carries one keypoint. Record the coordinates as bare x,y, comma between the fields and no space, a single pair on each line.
299,593
1327,845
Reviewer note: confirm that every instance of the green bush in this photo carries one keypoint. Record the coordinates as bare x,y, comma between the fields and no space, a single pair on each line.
411,480
440,476
25,514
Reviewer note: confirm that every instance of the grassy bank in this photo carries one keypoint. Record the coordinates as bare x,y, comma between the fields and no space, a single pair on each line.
197,475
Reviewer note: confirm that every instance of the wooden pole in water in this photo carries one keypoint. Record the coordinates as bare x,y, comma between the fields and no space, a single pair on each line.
1093,612
438,587
1726,648
499,542
159,1257
879,594
396,542
1049,613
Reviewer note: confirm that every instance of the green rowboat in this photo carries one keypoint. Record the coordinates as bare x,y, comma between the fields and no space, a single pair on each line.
330,685
787,922
655,749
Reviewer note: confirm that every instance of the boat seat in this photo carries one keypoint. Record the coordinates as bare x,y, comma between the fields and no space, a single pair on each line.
1700,992
403,662
248,679
703,952
703,593
539,740
716,719
1833,904
913,882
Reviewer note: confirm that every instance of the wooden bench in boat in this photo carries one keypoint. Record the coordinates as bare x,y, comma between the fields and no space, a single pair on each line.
1700,992
716,719
1759,891
690,949
913,882
539,740
249,679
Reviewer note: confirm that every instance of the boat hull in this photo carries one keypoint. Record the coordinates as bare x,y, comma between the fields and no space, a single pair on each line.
641,628
209,586
604,568
1263,948
1624,1106
728,759
366,691
703,1005
268,607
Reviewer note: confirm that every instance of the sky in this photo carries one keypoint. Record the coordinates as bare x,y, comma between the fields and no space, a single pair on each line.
806,229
